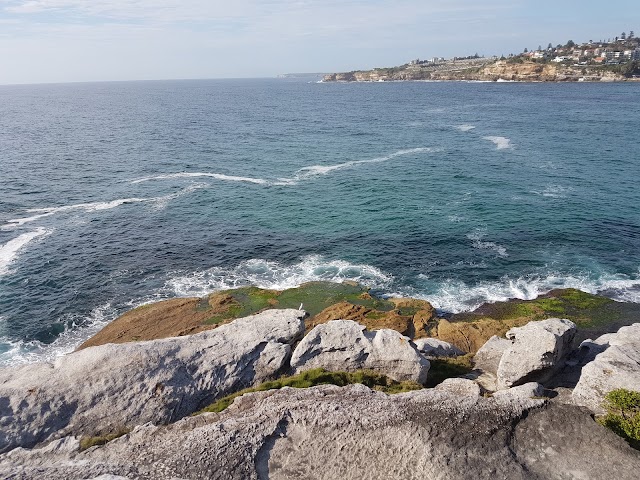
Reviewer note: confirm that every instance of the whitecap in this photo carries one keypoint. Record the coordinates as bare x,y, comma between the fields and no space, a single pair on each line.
277,276
10,250
501,143
465,128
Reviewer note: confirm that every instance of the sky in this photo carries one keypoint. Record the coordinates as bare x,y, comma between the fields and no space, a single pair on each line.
44,41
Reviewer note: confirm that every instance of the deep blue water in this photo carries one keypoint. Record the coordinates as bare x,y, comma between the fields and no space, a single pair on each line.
114,194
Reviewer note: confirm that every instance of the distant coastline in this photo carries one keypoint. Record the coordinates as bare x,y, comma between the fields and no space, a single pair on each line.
603,61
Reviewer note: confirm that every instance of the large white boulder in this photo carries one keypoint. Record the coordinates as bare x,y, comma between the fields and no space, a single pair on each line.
618,366
345,345
488,357
432,347
111,387
537,351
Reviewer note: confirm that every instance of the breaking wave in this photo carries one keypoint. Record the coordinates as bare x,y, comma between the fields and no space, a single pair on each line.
274,275
457,296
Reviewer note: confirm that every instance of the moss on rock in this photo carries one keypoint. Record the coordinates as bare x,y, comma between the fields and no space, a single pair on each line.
320,376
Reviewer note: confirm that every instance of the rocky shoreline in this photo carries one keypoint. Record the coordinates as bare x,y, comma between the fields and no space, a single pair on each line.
486,71
516,389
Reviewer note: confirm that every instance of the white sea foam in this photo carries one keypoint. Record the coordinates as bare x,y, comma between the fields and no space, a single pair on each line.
465,128
274,275
21,352
477,236
217,176
553,191
449,296
87,207
316,170
301,174
501,143
455,296
160,202
10,250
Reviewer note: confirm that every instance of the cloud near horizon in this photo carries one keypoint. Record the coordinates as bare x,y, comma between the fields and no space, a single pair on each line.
77,40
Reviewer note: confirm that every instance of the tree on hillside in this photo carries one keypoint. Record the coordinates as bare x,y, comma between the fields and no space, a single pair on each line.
550,47
623,36
571,44
631,35
526,50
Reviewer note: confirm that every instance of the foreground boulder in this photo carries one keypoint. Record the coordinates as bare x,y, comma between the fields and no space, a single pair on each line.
536,352
352,432
617,365
113,387
342,345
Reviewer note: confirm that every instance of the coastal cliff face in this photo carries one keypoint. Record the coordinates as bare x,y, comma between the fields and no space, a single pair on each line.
500,70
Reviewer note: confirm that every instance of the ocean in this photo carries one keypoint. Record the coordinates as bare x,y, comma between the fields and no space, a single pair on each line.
117,194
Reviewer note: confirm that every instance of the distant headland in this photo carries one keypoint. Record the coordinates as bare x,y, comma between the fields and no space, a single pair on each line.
611,60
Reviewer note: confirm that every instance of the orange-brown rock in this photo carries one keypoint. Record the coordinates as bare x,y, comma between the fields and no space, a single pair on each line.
470,336
424,315
169,318
410,317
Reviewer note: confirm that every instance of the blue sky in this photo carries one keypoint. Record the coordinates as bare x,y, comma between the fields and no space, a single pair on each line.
87,40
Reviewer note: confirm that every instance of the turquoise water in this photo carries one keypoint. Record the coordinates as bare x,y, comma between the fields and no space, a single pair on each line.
116,194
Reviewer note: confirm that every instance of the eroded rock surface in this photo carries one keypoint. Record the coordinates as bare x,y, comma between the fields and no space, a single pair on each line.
432,347
537,351
342,345
329,432
107,388
616,366
460,386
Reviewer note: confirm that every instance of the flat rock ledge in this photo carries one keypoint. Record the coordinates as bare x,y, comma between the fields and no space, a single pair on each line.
351,432
342,345
111,387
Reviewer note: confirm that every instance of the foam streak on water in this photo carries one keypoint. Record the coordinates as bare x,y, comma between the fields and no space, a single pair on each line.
301,174
10,250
